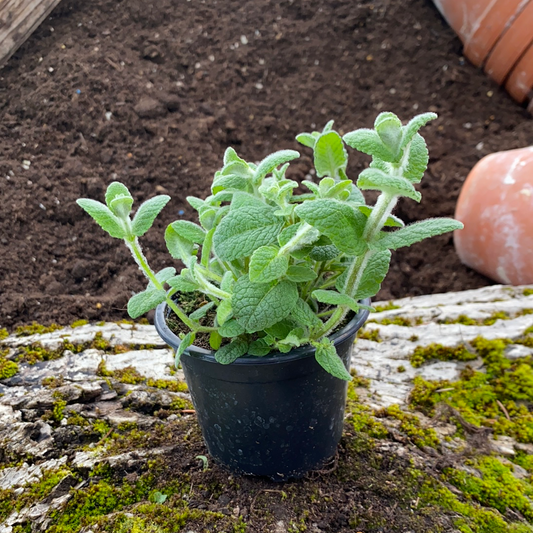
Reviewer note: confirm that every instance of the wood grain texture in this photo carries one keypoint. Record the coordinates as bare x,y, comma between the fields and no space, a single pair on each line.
18,20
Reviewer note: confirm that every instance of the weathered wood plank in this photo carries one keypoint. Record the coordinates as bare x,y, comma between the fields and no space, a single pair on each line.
18,20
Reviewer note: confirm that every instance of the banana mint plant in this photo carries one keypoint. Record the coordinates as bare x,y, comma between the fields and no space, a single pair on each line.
276,270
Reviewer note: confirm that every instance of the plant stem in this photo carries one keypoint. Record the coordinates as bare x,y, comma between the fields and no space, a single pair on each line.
136,251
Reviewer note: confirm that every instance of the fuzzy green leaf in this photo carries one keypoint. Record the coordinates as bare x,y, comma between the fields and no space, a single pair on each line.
215,340
246,228
325,252
414,125
232,351
227,282
230,156
330,155
306,139
259,348
393,221
389,128
187,341
272,161
103,216
300,273
121,206
266,265
342,223
145,216
369,142
189,231
417,160
304,315
182,283
178,247
415,232
327,358
114,190
376,180
202,311
231,328
194,202
373,275
145,301
335,298
257,306
224,312
163,276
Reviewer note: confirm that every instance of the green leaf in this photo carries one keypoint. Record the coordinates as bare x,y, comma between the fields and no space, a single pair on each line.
207,217
187,341
224,311
290,231
272,161
342,223
231,328
202,311
266,265
145,301
335,298
259,348
369,142
356,196
114,190
300,273
163,276
215,340
414,125
207,245
389,128
392,221
280,330
246,228
145,216
330,155
374,179
324,253
178,247
304,315
194,202
257,306
227,282
312,187
181,284
415,232
230,156
417,160
121,206
328,126
327,358
373,275
103,217
189,231
306,139
232,351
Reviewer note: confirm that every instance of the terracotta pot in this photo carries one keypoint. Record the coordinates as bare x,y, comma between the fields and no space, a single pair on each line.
497,35
496,207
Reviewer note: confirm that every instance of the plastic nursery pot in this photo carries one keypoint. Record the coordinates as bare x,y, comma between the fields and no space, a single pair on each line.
278,416
496,208
497,35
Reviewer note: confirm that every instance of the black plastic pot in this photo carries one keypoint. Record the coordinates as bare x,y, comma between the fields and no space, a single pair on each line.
278,416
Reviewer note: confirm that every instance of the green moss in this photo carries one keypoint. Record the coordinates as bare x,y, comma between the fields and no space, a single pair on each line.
3,334
58,410
397,321
527,292
440,352
34,328
102,427
167,384
369,334
413,338
498,315
360,417
180,404
75,419
128,375
400,369
498,398
388,307
78,323
462,319
410,425
52,382
7,368
497,487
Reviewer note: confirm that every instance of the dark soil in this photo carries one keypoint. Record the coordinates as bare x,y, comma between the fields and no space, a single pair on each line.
178,86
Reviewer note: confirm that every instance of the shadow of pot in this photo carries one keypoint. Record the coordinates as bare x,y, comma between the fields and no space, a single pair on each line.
496,207
498,36
278,416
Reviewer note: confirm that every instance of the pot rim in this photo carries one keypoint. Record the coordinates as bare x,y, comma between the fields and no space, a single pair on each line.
272,358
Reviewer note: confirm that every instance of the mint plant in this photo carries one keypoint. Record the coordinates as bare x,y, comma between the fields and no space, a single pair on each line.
277,269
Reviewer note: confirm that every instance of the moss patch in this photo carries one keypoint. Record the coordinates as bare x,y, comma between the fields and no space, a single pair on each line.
422,354
7,368
34,328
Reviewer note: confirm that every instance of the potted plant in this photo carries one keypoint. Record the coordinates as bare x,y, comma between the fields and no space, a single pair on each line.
274,287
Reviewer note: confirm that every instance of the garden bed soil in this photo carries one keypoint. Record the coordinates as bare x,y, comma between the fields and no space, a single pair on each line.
152,94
